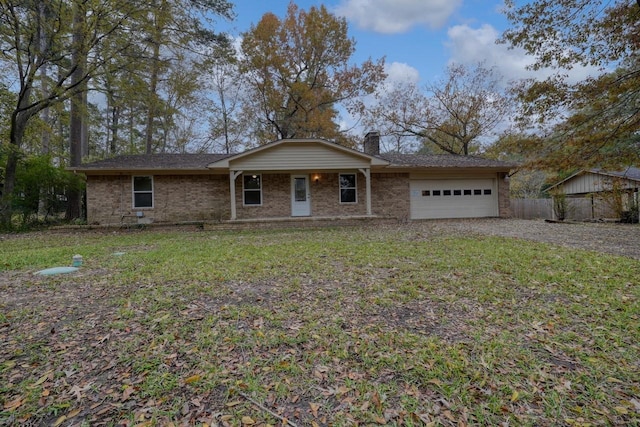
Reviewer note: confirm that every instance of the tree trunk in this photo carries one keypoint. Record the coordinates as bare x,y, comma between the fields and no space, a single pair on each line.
18,126
84,138
76,114
45,147
115,122
153,88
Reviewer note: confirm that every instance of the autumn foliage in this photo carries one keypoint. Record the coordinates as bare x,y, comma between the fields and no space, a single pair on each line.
299,73
593,121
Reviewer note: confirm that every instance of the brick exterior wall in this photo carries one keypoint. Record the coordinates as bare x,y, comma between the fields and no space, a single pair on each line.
276,198
504,202
390,195
325,196
108,198
182,198
177,198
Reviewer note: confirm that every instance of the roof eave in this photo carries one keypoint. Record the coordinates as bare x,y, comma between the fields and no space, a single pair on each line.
505,169
226,163
594,172
128,171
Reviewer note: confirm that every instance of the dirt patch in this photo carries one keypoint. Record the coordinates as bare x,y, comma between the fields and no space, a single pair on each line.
616,239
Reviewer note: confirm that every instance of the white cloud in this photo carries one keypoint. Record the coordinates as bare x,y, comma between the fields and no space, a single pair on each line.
473,45
397,16
399,73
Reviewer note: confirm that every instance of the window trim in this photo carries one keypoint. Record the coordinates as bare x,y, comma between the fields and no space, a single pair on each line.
134,192
245,190
354,188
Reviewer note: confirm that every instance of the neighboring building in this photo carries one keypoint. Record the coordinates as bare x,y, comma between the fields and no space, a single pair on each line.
596,193
294,178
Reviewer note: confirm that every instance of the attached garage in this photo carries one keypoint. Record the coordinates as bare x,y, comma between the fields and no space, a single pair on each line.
453,198
295,178
452,186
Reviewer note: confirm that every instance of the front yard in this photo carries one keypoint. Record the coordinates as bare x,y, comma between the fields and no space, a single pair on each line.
409,325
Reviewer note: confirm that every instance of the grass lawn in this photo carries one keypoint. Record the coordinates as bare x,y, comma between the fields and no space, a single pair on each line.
353,326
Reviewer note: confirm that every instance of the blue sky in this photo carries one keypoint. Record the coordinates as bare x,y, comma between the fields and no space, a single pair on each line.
419,38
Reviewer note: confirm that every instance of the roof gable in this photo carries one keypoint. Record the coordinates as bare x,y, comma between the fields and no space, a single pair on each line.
291,154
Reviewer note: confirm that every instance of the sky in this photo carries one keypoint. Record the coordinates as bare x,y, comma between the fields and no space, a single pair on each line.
418,38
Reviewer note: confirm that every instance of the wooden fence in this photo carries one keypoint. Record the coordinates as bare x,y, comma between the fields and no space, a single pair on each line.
578,209
531,208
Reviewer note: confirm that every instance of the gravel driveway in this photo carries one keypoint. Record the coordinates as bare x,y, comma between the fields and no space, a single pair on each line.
618,239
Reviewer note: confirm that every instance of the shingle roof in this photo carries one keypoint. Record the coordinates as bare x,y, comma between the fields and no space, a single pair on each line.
443,161
200,162
154,161
628,173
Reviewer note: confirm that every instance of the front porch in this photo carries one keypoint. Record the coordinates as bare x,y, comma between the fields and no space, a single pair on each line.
263,195
298,222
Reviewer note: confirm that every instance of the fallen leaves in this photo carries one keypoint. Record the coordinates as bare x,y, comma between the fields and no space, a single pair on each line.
314,409
12,405
127,393
375,331
42,379
247,421
193,379
66,417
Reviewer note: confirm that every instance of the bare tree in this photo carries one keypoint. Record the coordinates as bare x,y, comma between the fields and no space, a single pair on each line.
225,128
454,114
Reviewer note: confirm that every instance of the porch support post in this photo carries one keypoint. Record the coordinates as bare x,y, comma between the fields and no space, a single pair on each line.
367,176
232,185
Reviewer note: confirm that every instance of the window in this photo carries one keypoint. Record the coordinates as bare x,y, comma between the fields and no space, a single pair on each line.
142,191
348,188
436,192
487,192
426,193
446,192
467,192
252,189
477,192
457,192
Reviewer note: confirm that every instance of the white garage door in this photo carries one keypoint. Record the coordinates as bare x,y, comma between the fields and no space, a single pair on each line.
453,198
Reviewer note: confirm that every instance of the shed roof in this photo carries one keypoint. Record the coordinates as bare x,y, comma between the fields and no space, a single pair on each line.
631,173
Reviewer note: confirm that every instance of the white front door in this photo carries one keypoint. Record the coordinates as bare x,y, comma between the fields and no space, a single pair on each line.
300,202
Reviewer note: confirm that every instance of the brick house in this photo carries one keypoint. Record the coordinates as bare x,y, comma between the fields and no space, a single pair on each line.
294,178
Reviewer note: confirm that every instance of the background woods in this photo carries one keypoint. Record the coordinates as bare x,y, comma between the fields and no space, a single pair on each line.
89,79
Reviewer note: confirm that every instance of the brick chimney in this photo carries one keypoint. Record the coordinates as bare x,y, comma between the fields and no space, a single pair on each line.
372,143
